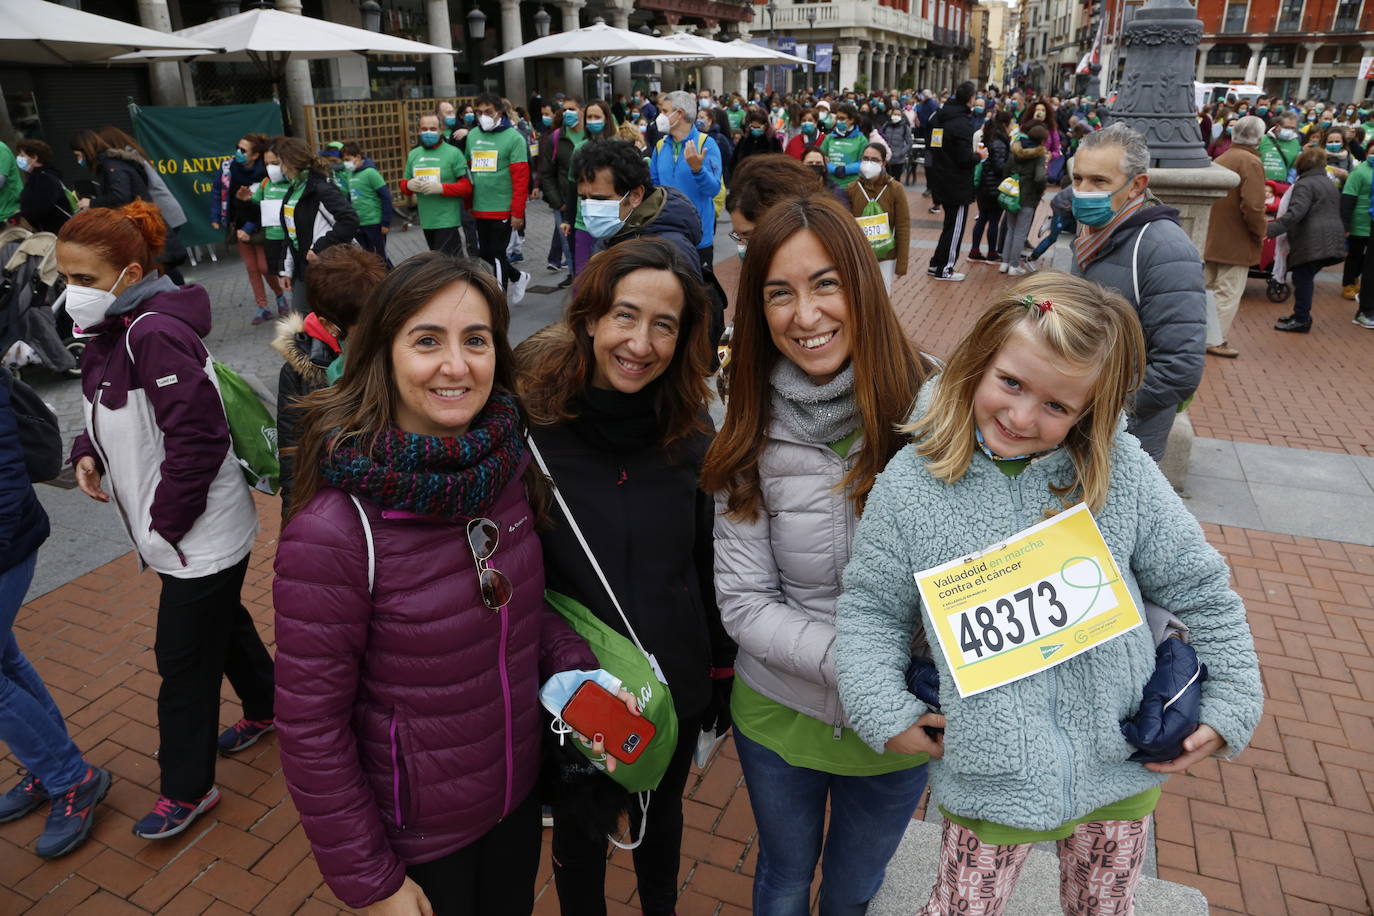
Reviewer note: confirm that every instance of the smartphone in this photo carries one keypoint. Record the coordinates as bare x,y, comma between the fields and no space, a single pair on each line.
593,710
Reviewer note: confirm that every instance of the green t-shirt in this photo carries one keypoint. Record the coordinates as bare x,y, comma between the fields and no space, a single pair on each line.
578,137
293,196
1358,187
736,117
448,164
271,194
1278,157
14,183
1128,809
340,178
362,193
1012,466
490,156
843,151
806,742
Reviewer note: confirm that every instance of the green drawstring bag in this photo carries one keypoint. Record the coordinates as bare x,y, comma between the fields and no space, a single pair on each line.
1009,194
628,660
876,225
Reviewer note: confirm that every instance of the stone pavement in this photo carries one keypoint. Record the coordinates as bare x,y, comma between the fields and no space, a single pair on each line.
1286,828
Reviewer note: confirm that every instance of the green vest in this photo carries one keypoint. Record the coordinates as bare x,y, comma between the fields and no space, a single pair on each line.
1278,157
446,163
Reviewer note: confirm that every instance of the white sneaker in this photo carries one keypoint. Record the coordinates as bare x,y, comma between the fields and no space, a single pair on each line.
1002,268
1030,266
953,278
1016,272
1364,321
517,289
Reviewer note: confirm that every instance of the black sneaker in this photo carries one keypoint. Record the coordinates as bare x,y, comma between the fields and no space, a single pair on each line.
73,814
28,796
1294,324
567,281
242,734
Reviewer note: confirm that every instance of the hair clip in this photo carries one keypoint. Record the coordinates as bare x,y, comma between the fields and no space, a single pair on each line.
1028,302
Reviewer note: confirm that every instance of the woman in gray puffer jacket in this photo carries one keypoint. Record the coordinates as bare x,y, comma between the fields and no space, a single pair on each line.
824,368
1316,237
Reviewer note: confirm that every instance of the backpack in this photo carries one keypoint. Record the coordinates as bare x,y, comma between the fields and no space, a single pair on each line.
29,284
252,429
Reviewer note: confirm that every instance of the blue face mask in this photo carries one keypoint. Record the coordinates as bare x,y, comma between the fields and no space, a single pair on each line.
429,138
547,120
240,157
808,127
1334,147
978,111
595,127
703,125
602,217
469,117
1094,208
450,120
756,131
569,119
841,129
558,690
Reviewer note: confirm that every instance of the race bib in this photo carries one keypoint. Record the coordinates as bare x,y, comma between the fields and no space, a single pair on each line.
271,212
427,171
289,217
937,137
534,150
1047,594
483,160
876,228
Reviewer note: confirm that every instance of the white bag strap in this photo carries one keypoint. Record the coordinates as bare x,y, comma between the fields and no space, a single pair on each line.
130,330
644,799
1135,263
367,535
577,530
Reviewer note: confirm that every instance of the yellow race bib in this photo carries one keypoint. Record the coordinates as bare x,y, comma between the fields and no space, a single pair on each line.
937,137
876,228
1022,606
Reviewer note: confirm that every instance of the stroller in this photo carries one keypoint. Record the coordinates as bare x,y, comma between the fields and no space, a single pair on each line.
1273,265
29,285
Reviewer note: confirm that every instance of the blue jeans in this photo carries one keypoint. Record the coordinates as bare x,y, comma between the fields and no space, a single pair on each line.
30,722
868,815
1059,224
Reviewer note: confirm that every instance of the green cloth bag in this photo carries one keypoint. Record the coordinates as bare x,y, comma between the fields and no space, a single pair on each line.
883,245
1009,194
978,174
622,658
252,430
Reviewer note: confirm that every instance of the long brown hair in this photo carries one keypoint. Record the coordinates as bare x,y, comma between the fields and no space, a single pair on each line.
362,404
561,368
1086,326
888,371
295,152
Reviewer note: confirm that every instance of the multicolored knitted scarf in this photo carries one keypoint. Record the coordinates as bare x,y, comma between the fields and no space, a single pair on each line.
1092,239
444,476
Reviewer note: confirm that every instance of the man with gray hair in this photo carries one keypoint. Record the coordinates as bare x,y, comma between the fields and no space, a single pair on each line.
686,159
1235,231
1130,242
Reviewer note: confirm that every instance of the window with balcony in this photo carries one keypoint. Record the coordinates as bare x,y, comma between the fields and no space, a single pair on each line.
1235,17
1228,56
1278,55
1347,15
1290,16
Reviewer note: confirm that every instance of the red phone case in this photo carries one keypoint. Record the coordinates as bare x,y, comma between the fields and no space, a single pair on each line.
593,710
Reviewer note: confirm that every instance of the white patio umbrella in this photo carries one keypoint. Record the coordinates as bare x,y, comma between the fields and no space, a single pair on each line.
39,32
598,44
727,54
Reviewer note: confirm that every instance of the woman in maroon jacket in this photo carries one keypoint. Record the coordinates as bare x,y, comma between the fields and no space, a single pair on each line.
412,632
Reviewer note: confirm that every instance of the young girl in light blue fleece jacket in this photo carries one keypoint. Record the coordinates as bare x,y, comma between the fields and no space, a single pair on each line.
1023,423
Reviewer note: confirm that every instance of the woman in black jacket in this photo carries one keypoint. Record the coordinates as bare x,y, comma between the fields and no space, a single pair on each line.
118,173
315,213
756,138
43,203
618,410
998,144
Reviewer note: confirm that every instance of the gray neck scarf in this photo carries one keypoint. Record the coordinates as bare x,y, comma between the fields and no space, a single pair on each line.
818,414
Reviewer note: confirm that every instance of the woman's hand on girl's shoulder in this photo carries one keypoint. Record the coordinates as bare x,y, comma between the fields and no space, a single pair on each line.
1201,744
408,901
915,740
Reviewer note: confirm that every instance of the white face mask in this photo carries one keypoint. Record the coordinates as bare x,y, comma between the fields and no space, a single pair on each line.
896,117
274,173
486,122
662,123
23,163
87,305
870,170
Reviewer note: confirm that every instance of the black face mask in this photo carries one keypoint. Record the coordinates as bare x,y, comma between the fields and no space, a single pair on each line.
818,169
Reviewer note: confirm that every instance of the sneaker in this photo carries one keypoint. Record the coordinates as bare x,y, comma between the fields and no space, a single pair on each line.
1351,291
1222,350
27,796
263,316
515,257
72,815
935,209
1003,267
283,307
170,817
547,815
1293,324
243,733
566,282
1029,266
517,289
976,255
553,268
951,277
1364,321
1016,271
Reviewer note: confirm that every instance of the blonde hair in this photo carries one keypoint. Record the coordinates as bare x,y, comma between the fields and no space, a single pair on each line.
1086,326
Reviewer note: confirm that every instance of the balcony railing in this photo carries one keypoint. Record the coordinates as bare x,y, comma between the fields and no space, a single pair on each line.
1347,22
1289,22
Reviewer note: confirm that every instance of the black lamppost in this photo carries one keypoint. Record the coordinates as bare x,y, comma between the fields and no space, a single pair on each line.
811,41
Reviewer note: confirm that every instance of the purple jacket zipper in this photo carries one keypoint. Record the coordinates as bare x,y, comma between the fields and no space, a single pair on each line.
505,696
395,777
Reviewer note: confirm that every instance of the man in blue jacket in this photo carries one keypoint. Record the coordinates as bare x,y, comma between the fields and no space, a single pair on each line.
689,161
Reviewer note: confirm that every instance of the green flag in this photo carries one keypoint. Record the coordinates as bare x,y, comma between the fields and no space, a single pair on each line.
188,147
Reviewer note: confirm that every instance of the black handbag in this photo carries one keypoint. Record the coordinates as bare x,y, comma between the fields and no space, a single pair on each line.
40,435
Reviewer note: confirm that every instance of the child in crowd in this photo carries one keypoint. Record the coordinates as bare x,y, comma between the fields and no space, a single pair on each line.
1025,422
1027,165
371,199
268,195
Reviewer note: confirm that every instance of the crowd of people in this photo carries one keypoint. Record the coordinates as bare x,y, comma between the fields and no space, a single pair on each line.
764,569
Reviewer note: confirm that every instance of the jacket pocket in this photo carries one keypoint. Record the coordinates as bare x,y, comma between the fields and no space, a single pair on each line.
402,784
986,734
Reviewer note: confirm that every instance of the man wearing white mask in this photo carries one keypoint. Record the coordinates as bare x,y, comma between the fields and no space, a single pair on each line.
688,160
499,165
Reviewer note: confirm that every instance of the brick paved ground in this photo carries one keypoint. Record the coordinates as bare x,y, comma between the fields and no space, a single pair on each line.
1288,828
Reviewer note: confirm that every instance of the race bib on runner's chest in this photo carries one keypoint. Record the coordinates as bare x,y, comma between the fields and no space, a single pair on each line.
876,228
427,171
1045,595
483,160
937,136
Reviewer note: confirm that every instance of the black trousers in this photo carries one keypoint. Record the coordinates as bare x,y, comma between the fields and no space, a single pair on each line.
1354,259
372,239
493,237
449,241
204,634
951,237
579,862
493,876
990,216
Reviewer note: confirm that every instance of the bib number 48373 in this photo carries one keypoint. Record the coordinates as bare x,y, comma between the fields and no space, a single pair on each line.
1012,620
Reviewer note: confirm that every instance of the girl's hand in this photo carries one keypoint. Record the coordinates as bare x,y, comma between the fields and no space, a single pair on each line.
915,740
242,236
408,901
286,284
1198,746
598,744
88,479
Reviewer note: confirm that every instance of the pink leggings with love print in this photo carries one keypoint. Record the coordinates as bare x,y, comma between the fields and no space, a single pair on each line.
1099,867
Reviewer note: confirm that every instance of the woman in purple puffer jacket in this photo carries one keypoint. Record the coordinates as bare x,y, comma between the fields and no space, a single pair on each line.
411,646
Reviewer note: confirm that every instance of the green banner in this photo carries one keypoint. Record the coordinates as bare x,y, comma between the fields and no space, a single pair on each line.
188,146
